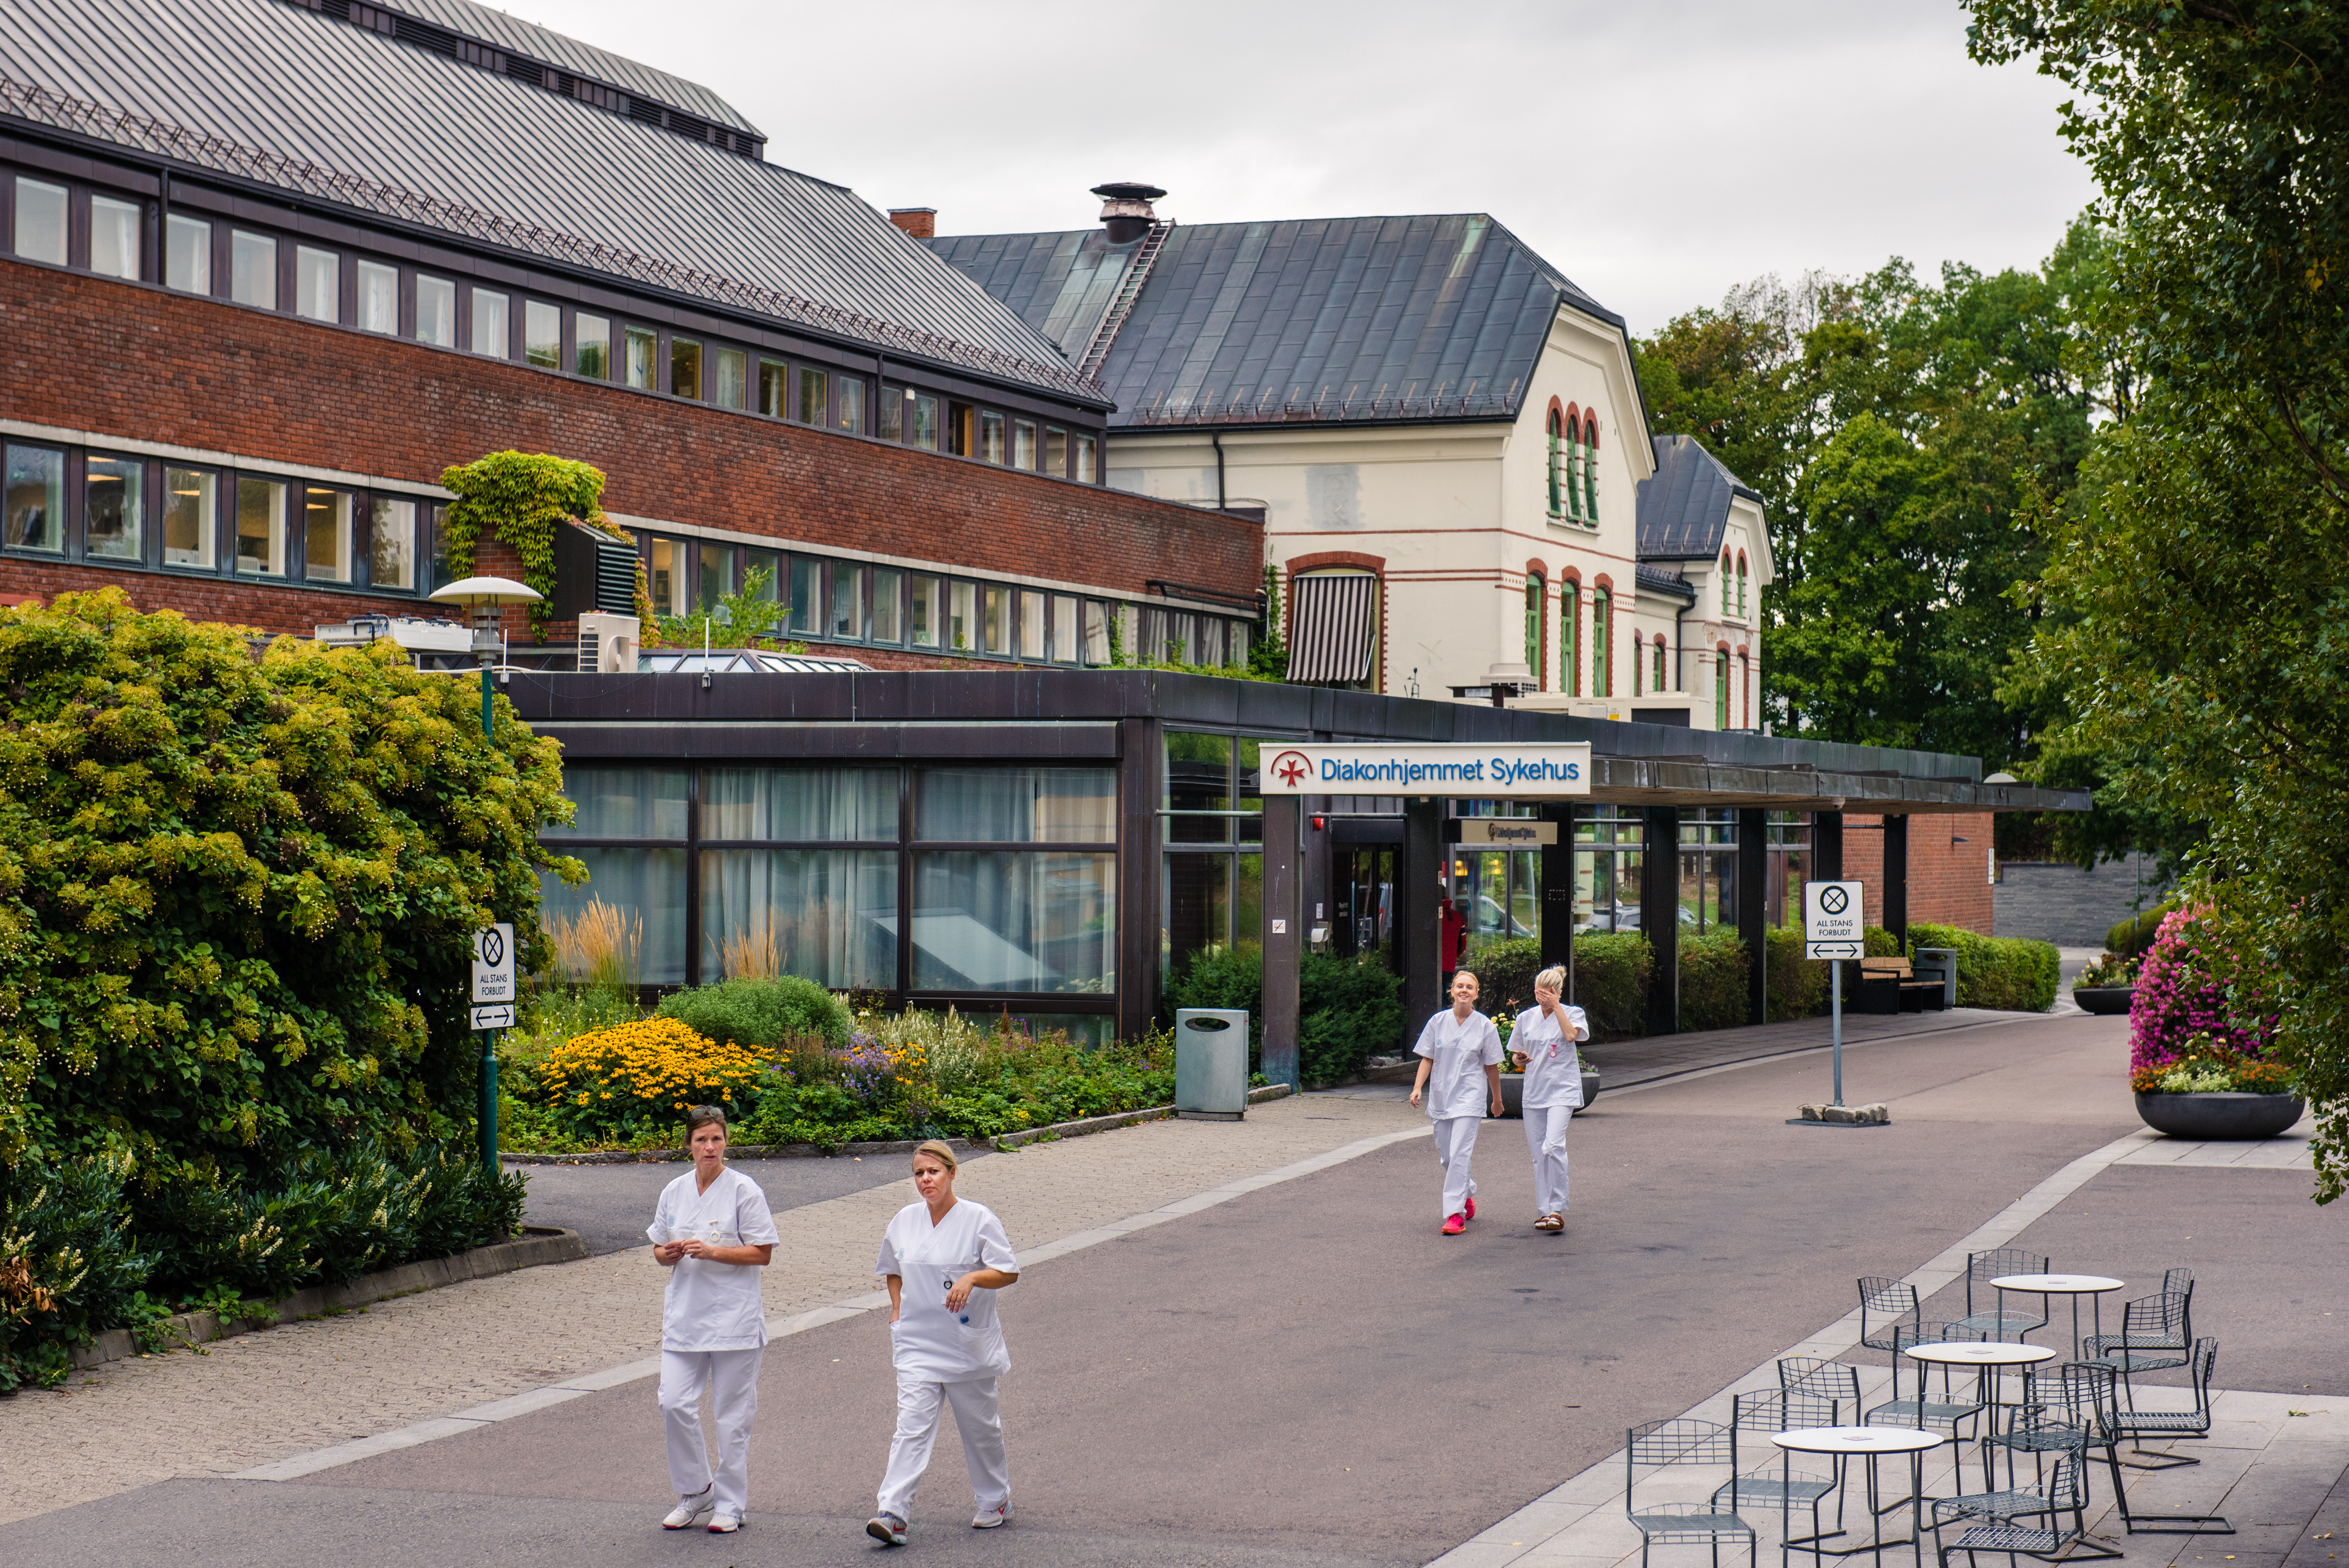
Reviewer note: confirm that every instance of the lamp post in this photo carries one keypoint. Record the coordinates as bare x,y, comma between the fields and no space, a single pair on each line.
483,595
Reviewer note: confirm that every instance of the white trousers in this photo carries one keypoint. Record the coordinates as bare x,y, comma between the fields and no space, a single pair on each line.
732,1377
1546,1139
978,1417
1455,1147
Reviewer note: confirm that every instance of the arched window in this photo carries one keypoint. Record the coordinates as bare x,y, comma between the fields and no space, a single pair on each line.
1724,582
1574,470
1660,683
1569,637
1557,457
1741,582
1602,637
1720,689
1590,469
1536,617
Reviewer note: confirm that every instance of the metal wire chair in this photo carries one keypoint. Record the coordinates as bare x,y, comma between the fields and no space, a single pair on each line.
1996,1264
1778,1485
2138,1425
2153,1338
1819,1378
1889,1300
2098,1379
1682,1440
2062,1490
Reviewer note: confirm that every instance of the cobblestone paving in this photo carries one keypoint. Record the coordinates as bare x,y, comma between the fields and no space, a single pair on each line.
263,1397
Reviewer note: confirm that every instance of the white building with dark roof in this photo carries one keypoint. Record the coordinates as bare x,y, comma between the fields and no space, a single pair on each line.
1443,436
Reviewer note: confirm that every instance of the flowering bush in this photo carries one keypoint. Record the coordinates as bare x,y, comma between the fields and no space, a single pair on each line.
2199,993
2205,1067
2109,969
616,1083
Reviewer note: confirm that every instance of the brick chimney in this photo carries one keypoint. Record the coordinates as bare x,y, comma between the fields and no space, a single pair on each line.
922,222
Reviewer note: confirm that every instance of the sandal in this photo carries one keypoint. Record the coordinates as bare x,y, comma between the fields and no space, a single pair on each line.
1550,1222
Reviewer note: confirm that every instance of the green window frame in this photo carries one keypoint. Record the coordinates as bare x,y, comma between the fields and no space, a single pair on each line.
1556,498
1741,585
1537,604
1602,636
1574,471
1724,582
1720,689
1590,471
1569,637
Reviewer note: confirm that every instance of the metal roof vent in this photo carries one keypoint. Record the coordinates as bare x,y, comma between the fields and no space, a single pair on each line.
1126,211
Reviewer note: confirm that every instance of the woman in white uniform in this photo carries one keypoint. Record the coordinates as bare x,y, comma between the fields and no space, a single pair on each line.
944,1258
1457,1044
1542,1042
713,1232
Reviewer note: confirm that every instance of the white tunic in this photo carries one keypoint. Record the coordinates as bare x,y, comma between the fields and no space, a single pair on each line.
928,1342
1553,1066
1460,1052
712,1305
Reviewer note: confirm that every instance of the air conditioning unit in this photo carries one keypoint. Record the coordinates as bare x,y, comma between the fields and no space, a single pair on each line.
608,644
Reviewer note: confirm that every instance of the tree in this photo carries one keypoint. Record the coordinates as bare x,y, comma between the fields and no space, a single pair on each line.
237,890
2199,599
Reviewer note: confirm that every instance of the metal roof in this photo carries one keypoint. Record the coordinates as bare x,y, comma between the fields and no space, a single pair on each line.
1683,506
237,87
1312,320
584,59
1656,580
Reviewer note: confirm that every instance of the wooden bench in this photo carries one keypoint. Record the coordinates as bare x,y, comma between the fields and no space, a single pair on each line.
1891,986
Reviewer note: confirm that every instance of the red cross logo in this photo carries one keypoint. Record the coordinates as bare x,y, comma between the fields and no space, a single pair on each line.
1290,766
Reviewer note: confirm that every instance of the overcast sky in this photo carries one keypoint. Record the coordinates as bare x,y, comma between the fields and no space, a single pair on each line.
1656,152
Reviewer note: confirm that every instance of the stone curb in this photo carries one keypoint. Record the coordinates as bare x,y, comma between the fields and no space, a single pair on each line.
537,1244
1008,1141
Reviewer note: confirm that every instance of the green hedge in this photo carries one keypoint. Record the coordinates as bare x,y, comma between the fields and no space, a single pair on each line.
1348,1010
1798,986
1612,970
1713,971
2134,935
1505,974
2010,973
1224,977
760,1013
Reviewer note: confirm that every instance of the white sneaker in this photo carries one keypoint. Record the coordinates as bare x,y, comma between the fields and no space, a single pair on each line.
887,1529
691,1510
725,1521
988,1518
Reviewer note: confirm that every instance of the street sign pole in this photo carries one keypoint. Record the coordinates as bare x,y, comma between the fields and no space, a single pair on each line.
493,998
1835,991
1834,929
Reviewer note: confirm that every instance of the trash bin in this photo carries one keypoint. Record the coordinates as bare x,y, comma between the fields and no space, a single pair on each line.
1211,1054
1939,964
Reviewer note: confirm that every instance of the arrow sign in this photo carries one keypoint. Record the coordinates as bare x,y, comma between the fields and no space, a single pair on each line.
1833,950
496,1016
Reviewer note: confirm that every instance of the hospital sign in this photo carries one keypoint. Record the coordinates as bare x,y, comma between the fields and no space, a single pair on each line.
1483,772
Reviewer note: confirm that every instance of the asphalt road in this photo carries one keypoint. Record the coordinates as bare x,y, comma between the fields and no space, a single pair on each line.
1312,1375
610,1205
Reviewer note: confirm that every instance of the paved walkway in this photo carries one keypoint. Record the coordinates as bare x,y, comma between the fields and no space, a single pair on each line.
263,1396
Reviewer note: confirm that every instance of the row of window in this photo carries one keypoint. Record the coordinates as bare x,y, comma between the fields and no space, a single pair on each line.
91,505
1650,664
65,225
1574,468
852,602
1725,584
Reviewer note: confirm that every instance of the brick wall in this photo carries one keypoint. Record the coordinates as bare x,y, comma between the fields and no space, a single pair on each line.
1949,883
134,361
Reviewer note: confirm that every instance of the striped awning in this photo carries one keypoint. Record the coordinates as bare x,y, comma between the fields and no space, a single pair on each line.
1331,618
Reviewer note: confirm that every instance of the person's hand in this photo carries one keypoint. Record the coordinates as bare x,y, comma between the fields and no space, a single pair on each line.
1498,1108
669,1252
959,1294
1414,1095
1518,1057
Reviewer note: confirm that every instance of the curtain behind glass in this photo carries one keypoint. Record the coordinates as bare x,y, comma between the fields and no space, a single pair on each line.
646,888
793,803
992,920
1017,805
623,803
827,915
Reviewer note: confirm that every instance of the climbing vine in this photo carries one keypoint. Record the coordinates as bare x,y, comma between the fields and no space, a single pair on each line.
521,498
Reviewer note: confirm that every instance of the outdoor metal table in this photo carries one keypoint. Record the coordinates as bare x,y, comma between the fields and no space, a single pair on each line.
1985,1358
2093,1286
1870,1443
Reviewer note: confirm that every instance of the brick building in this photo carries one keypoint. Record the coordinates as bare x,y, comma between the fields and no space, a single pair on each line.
1949,862
249,322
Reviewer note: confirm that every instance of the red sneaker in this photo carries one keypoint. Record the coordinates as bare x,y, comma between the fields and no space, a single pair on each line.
1470,1212
1455,1225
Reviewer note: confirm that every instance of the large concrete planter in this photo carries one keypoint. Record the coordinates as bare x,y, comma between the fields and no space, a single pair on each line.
2220,1117
2102,1000
1512,1092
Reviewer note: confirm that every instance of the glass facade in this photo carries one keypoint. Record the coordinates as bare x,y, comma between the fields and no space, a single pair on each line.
1212,897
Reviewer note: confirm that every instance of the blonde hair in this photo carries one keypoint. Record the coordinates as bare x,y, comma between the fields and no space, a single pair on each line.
941,1151
1472,974
1551,979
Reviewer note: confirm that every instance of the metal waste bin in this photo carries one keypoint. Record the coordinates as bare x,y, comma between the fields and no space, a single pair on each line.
1211,1054
1939,964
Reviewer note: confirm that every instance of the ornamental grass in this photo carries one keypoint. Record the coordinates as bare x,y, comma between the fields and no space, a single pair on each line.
614,1084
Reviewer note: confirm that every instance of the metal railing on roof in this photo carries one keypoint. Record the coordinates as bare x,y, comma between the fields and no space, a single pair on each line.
129,128
1327,404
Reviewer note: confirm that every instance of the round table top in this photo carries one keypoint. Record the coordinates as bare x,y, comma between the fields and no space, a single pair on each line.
1964,1353
1856,1441
2058,1284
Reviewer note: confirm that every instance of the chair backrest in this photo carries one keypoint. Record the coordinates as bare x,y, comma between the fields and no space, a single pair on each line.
1889,1300
2198,1366
1895,968
2088,1397
1908,1334
2181,1282
1816,1380
1997,1263
2161,1319
1680,1441
2065,1486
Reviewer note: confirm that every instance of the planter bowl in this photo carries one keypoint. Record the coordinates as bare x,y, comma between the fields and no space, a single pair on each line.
1512,1092
2220,1117
2102,1000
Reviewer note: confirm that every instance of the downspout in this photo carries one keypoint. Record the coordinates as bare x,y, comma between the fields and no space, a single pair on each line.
1217,438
